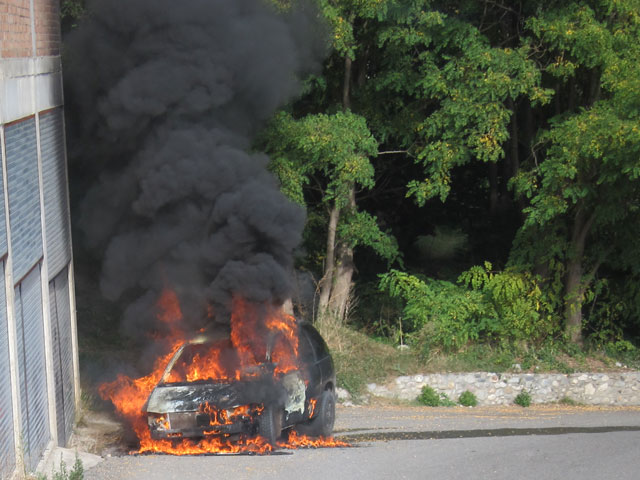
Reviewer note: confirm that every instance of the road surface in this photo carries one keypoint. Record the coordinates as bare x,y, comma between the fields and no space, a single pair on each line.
394,442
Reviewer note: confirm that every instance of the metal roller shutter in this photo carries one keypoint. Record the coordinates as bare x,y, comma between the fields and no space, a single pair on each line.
54,176
31,366
62,355
3,226
7,447
24,196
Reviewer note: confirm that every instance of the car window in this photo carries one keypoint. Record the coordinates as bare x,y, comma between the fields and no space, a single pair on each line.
199,362
305,351
316,342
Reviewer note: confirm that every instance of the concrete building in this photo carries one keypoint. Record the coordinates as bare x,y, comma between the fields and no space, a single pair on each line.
38,344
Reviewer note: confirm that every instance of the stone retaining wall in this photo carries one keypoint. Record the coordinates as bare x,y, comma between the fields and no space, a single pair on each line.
619,388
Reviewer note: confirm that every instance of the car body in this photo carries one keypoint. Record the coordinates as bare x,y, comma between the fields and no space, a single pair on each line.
258,401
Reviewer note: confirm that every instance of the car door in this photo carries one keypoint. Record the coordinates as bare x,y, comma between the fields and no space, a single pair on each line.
323,365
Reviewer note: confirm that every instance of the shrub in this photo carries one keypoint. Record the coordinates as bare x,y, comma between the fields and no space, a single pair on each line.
516,298
507,306
458,315
468,399
523,399
431,398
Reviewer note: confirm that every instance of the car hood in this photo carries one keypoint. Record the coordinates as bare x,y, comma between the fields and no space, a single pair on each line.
190,397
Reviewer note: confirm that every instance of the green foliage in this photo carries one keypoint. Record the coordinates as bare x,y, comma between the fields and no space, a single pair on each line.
548,357
548,91
337,148
429,397
582,181
620,347
523,399
505,306
76,472
467,399
71,12
524,311
361,228
569,402
459,315
456,85
625,352
360,360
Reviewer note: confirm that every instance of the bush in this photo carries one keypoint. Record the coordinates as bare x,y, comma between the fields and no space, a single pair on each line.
484,306
468,399
458,315
523,399
431,398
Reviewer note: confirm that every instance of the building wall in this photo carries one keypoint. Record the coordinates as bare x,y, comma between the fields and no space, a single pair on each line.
15,29
47,27
39,389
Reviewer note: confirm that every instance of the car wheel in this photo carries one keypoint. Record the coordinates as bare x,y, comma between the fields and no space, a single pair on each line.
270,424
322,423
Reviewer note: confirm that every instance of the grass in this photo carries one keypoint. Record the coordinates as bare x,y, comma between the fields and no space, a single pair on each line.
360,359
569,402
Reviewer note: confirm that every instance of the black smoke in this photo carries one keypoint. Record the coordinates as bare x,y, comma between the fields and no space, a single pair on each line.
164,99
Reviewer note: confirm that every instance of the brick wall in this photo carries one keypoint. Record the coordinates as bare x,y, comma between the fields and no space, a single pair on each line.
15,29
47,16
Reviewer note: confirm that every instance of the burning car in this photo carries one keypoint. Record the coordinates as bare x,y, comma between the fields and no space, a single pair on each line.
217,388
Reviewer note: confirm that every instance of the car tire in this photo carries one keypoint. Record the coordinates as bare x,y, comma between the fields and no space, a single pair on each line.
321,425
270,424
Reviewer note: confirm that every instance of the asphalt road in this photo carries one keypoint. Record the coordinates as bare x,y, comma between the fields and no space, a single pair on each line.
419,442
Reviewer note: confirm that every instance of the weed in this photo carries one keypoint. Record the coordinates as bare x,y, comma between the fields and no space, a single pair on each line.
467,399
76,472
523,399
568,401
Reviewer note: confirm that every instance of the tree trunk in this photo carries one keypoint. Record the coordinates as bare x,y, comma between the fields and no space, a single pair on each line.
346,86
575,285
326,282
339,267
341,288
493,189
573,301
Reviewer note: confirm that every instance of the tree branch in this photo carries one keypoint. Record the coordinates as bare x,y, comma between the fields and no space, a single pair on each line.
389,152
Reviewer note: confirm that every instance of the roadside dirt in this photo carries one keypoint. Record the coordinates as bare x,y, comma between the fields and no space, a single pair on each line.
100,433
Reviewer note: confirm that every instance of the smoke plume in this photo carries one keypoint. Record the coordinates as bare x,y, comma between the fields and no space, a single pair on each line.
166,97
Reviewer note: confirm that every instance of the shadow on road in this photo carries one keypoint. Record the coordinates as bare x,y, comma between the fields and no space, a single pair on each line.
502,432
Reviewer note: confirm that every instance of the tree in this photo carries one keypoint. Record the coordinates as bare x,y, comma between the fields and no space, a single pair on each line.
332,151
583,181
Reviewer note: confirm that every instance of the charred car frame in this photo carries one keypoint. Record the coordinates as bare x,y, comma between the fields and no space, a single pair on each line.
259,402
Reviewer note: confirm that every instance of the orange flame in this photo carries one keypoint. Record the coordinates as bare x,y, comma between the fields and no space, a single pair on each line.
258,333
296,440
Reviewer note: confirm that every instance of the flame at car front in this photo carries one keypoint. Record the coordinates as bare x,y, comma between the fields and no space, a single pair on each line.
260,335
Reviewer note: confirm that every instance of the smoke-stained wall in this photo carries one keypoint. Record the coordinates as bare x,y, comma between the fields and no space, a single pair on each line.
37,313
